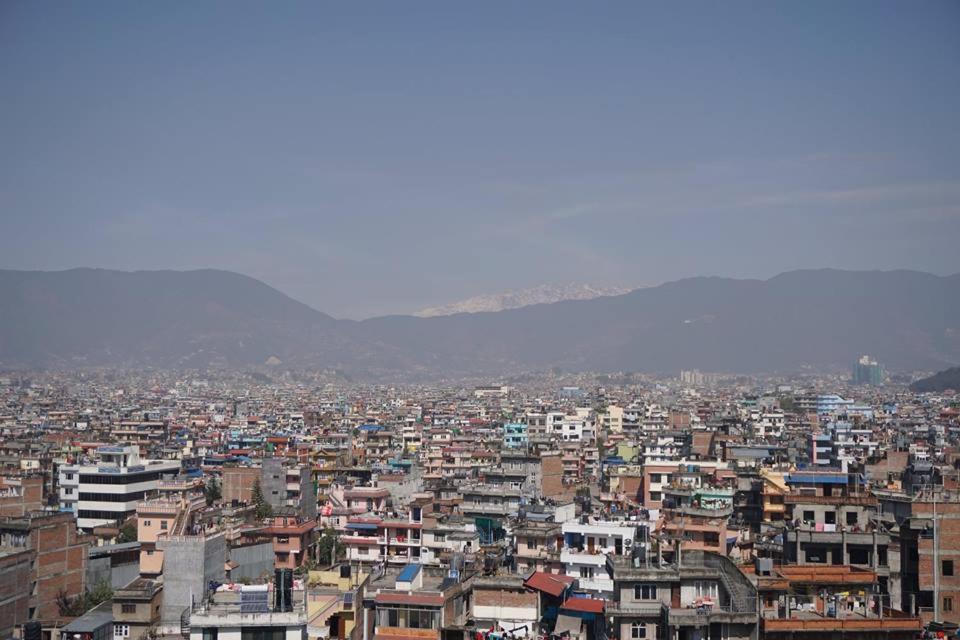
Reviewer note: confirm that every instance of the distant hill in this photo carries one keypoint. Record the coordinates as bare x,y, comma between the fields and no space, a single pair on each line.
94,317
822,318
815,318
948,379
543,294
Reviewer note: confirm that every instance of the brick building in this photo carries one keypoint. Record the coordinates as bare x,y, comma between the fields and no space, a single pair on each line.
237,485
60,559
14,590
21,495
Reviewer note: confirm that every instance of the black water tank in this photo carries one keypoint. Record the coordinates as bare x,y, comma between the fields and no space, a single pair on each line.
283,590
32,631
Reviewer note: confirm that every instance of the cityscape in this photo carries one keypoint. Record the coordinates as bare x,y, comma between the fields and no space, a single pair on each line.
428,320
211,504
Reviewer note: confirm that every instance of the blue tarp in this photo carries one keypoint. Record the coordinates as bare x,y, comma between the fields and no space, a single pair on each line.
361,526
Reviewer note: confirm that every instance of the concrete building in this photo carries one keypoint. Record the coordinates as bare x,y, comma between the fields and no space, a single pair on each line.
585,550
136,608
704,596
190,563
230,615
107,493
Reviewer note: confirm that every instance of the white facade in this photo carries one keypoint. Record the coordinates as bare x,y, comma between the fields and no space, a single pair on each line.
585,550
108,492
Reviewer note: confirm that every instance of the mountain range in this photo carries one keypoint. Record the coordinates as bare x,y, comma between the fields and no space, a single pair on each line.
797,320
542,294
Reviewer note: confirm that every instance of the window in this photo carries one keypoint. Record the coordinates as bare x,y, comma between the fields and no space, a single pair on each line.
128,608
851,517
948,604
531,543
645,592
638,631
808,516
946,568
163,525
586,572
121,631
655,477
655,496
707,589
146,523
439,537
830,517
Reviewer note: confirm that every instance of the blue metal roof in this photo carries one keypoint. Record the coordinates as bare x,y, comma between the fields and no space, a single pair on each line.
408,573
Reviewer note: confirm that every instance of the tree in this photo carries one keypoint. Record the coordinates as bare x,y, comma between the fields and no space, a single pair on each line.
212,491
74,607
128,533
263,508
328,546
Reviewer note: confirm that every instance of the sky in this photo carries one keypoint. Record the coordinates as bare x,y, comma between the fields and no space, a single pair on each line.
380,157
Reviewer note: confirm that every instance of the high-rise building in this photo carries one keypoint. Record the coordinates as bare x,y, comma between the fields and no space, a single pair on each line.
867,371
107,492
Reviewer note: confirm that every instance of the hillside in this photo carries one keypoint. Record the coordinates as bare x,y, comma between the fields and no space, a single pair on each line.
822,318
948,379
92,317
799,319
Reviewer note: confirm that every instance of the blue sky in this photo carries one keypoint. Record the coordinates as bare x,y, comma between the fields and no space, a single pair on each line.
371,158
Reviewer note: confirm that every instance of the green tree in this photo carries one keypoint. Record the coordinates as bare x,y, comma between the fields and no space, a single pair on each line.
328,547
263,508
212,491
128,533
74,607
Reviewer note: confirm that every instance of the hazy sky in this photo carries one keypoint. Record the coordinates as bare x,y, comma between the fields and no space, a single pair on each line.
372,157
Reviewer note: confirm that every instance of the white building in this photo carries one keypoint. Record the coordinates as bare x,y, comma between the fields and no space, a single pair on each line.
585,550
107,492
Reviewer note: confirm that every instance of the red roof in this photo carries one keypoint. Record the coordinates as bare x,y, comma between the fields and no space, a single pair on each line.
584,605
551,583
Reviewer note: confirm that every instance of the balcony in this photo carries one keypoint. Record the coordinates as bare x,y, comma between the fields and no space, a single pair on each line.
635,609
852,623
796,498
698,616
597,558
807,534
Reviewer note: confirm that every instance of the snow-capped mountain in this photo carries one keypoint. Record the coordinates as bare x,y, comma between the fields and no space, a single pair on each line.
542,294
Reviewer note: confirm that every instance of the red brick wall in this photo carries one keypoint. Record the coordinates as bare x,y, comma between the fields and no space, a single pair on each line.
61,562
551,467
14,591
948,515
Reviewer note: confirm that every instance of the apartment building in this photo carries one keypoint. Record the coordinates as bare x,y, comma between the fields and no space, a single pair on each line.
107,492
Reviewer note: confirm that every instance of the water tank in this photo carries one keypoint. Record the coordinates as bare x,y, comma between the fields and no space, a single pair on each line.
32,630
283,590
